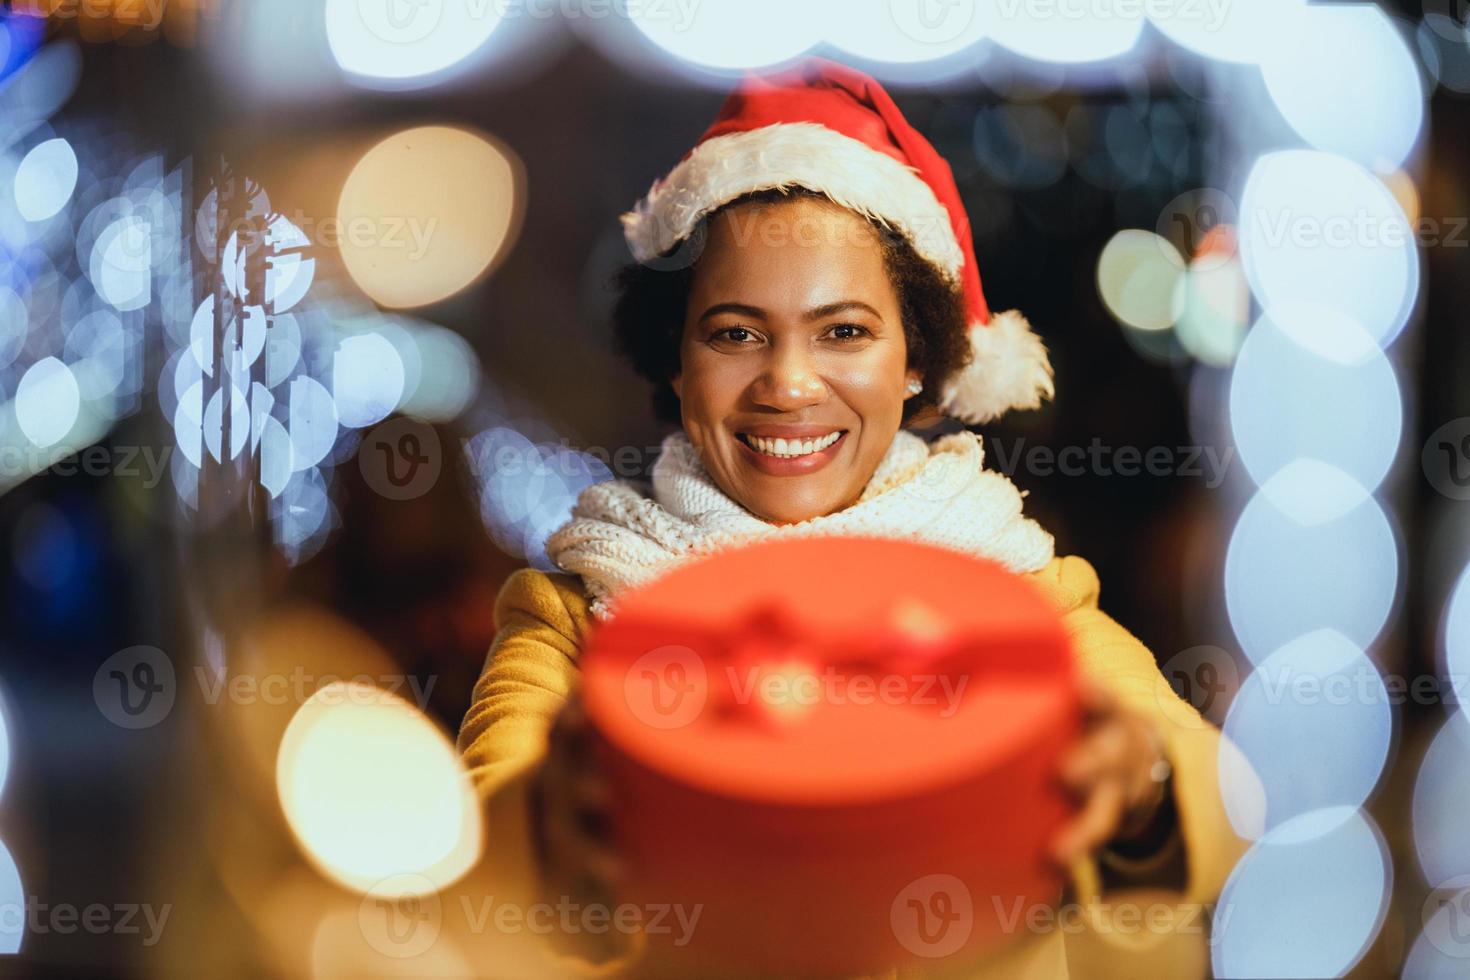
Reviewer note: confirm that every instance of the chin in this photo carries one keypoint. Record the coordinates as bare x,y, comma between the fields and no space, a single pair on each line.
783,506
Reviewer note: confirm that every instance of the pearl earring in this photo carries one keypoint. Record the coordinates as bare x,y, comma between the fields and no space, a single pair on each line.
915,386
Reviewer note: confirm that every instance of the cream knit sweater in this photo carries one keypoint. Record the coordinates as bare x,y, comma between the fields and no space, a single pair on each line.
939,494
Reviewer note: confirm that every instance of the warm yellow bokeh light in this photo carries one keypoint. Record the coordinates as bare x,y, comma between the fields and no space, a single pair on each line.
1138,276
373,791
426,212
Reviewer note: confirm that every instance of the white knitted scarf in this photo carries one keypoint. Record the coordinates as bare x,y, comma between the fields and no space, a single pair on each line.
619,537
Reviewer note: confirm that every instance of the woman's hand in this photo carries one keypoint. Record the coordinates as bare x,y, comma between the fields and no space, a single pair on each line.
1114,769
569,797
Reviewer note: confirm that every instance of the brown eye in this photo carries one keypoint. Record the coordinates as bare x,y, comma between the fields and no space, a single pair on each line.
732,335
848,331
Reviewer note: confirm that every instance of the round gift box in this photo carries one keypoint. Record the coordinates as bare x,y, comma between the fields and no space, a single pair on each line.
839,752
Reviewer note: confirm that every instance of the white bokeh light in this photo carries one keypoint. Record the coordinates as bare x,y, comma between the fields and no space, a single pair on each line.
1314,723
12,896
367,379
732,34
1318,229
1347,82
47,402
312,422
1306,900
1238,31
1065,33
1455,635
398,44
45,180
1441,799
121,263
1310,382
1312,550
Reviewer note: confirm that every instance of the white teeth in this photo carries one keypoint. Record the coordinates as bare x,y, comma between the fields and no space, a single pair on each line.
791,448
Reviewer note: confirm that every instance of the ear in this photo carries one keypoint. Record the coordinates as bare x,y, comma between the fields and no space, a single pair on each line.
677,383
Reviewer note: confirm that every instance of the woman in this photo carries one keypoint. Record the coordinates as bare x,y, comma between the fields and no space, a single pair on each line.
806,286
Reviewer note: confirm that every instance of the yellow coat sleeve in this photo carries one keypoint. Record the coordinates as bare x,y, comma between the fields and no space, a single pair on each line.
532,667
1116,659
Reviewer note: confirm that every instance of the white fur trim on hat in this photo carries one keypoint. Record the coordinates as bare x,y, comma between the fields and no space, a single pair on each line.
1008,369
783,155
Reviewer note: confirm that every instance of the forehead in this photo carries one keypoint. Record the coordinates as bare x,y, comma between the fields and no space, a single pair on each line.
796,253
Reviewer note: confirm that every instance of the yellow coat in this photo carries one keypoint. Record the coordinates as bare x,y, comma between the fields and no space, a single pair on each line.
1123,932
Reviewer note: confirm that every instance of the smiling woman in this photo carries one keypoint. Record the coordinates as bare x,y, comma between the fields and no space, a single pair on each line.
805,287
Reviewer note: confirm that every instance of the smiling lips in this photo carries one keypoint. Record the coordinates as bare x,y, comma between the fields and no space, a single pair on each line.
791,452
790,448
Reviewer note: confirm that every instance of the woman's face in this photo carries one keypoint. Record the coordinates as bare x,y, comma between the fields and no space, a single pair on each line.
793,365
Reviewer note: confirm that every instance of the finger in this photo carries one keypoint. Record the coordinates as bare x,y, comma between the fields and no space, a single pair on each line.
1102,751
1094,826
1096,699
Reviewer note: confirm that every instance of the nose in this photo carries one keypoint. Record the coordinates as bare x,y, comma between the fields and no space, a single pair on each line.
791,381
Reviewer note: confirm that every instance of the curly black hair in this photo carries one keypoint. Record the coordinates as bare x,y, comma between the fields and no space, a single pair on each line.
652,301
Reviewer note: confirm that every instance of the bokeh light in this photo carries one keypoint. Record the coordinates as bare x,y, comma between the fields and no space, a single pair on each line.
1306,900
367,379
372,789
1316,228
12,897
426,212
1312,550
1311,382
47,402
1455,635
732,34
407,45
1064,33
1139,276
45,180
1313,721
1347,83
1239,31
1441,798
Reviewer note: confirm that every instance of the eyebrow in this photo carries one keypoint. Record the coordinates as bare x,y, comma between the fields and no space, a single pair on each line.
815,313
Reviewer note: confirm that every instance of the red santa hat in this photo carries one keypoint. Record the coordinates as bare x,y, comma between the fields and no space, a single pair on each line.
832,129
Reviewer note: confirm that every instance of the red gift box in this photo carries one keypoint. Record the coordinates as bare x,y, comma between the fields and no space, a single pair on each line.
840,751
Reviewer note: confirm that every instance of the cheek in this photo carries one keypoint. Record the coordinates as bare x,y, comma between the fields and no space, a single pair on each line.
873,387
